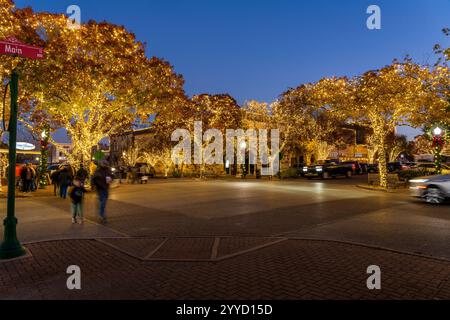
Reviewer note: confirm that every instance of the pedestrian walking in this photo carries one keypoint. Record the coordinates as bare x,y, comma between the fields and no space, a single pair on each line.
64,182
55,181
129,178
134,175
101,181
82,174
34,180
27,178
77,195
19,181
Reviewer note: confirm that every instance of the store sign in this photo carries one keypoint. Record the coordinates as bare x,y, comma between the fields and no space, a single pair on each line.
25,146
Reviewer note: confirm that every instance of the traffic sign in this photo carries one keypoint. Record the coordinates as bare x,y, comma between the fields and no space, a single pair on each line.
12,46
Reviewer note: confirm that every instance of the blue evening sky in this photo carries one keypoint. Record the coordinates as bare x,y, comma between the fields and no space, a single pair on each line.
256,49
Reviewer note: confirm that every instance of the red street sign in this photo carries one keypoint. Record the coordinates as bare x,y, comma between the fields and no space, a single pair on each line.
12,46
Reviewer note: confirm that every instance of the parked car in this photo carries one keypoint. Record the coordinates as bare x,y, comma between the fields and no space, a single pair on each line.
395,167
356,166
392,167
327,170
434,189
408,165
372,168
430,167
364,167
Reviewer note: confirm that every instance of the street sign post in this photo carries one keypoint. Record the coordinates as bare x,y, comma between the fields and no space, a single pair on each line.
11,247
12,46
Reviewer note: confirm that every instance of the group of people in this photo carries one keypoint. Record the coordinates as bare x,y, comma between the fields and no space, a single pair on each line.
27,177
65,177
67,182
136,174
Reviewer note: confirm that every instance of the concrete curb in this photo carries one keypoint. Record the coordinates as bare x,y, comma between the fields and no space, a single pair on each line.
381,190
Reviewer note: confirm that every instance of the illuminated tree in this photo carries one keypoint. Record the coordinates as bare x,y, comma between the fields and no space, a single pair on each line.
398,94
131,156
307,120
396,144
218,112
95,81
162,157
422,145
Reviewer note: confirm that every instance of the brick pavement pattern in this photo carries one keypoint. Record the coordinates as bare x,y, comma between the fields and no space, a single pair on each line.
292,269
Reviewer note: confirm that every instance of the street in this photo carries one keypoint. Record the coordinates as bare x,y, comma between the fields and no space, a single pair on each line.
332,210
235,223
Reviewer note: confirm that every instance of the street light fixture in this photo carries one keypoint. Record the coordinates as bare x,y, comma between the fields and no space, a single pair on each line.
437,131
438,144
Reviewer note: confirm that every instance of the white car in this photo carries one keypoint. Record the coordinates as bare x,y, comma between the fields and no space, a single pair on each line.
434,189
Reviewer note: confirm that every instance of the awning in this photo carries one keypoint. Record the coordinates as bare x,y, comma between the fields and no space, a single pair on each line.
34,153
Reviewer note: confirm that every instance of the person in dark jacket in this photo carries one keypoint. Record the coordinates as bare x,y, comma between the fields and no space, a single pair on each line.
77,195
101,181
55,181
82,174
27,176
65,179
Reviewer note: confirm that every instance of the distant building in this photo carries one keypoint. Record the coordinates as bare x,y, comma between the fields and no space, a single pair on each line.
122,142
58,151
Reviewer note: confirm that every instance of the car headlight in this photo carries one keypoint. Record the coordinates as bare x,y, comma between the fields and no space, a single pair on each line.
419,180
319,169
305,169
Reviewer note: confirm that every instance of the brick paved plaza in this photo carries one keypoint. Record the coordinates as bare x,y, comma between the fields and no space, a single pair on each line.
234,240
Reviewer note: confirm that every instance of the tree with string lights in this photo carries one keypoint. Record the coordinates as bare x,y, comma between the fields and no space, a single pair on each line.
398,94
95,81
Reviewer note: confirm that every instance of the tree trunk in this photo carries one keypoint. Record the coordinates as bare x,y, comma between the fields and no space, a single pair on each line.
382,165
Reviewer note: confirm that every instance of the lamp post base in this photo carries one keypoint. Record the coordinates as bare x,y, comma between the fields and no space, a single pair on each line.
11,247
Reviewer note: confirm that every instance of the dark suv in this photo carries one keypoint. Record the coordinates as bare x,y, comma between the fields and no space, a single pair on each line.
357,167
327,170
391,166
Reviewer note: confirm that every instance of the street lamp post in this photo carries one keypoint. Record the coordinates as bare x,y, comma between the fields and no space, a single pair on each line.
11,247
43,181
438,145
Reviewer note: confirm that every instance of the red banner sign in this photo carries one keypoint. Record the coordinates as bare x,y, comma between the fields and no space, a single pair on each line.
12,46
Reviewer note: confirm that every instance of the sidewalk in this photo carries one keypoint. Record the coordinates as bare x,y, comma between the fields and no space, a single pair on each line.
292,269
47,192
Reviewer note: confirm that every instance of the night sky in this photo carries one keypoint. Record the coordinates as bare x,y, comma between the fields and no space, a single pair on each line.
256,49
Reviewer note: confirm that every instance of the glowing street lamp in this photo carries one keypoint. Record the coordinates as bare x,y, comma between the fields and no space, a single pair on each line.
438,145
437,131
